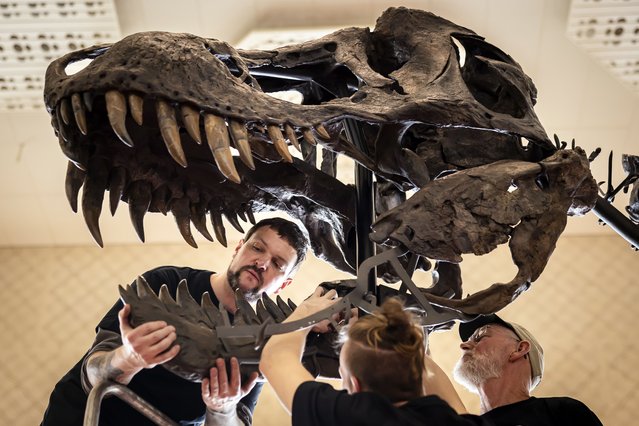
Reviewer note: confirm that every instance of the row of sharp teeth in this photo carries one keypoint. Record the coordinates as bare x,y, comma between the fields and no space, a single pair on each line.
218,131
140,197
266,308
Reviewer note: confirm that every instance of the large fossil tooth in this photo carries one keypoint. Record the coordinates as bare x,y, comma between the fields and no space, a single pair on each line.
65,111
165,297
211,311
283,306
249,213
273,309
218,226
182,214
309,136
78,113
291,304
184,299
245,309
87,98
198,217
218,139
139,193
60,127
292,137
159,200
277,138
142,288
232,218
240,212
77,154
261,312
72,184
127,294
136,104
92,197
116,111
170,132
322,132
117,182
191,120
309,153
241,142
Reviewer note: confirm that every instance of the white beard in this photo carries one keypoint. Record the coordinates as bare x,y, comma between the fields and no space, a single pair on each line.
475,369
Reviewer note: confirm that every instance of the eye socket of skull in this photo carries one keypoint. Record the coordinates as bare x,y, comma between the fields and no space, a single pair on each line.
396,54
494,79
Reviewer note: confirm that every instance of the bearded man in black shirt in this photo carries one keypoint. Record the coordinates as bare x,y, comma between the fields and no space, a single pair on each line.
264,261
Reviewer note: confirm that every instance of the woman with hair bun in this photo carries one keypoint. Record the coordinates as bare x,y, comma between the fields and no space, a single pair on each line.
386,375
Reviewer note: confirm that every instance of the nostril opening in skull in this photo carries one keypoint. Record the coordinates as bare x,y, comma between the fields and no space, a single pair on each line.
77,66
230,64
330,47
491,77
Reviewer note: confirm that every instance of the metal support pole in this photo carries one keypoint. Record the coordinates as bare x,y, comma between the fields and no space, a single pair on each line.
97,394
365,202
617,221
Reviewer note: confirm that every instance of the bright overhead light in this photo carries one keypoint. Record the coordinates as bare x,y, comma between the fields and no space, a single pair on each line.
609,31
34,33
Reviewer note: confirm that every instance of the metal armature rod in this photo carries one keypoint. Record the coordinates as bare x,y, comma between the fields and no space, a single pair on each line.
97,394
365,201
617,221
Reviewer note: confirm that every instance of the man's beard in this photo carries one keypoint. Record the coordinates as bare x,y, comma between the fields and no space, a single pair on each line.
475,369
252,295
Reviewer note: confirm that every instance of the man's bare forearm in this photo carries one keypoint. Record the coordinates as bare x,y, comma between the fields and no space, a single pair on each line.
436,382
109,366
217,418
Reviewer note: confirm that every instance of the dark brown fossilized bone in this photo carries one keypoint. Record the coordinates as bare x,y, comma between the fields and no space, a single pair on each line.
206,333
198,328
473,211
155,117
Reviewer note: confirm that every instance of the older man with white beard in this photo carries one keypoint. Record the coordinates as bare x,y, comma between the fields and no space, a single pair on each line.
503,362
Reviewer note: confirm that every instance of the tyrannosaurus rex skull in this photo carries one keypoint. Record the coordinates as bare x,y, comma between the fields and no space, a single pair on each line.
180,123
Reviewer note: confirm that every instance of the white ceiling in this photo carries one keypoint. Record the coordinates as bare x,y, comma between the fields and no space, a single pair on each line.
577,99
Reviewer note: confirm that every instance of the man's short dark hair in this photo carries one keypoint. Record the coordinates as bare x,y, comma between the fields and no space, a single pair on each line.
287,230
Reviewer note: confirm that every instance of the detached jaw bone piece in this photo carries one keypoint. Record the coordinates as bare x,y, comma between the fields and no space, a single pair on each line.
206,333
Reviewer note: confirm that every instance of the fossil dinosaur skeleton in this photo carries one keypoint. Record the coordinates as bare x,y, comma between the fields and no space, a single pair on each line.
152,119
156,117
